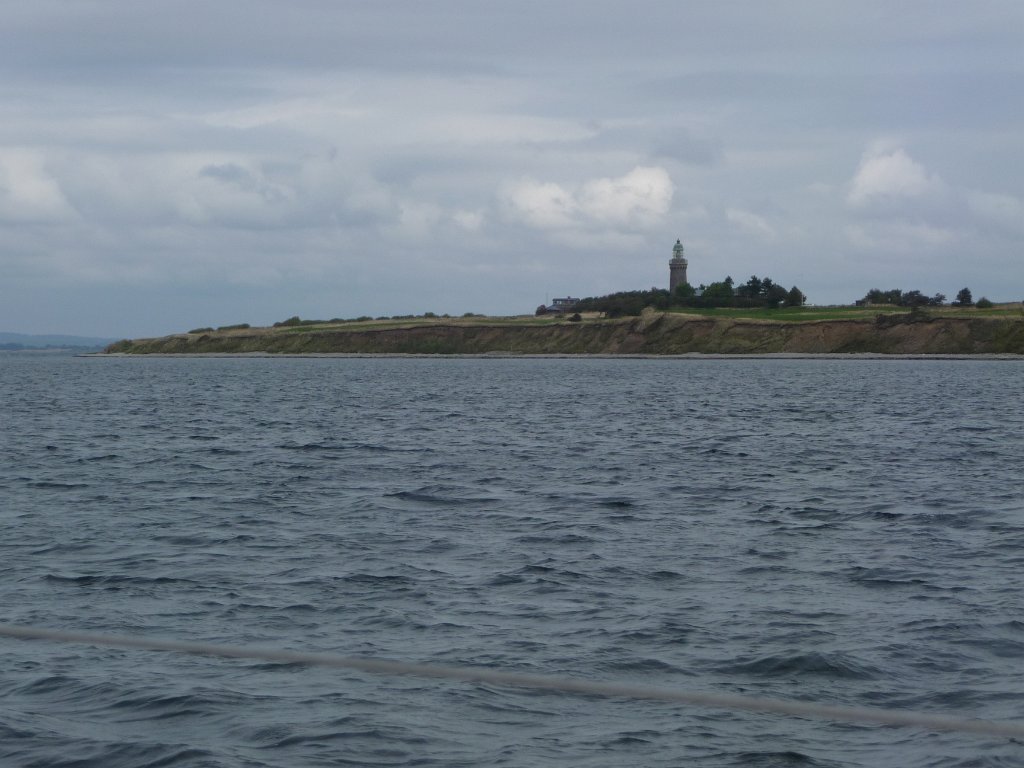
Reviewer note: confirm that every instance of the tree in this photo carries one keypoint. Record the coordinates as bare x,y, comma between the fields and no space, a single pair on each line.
964,298
625,302
913,299
983,303
773,293
878,296
685,291
795,297
750,289
721,291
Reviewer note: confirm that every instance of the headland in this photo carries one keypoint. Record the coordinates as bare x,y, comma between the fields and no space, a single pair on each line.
801,331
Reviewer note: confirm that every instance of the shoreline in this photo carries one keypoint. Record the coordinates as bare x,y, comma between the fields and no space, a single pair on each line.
568,356
658,335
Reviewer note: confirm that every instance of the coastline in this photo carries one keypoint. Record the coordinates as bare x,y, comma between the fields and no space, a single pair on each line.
1002,356
653,333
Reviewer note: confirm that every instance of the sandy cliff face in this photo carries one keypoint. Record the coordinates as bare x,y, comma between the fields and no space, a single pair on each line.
652,333
888,334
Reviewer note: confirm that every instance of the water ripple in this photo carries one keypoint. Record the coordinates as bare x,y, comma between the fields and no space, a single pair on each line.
843,531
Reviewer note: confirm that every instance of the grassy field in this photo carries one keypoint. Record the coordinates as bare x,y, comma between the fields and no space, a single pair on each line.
787,314
406,322
805,314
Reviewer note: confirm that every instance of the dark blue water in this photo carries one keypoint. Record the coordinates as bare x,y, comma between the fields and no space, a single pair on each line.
844,531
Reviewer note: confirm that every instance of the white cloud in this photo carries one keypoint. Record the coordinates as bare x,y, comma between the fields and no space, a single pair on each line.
639,198
888,175
416,220
634,201
28,192
544,205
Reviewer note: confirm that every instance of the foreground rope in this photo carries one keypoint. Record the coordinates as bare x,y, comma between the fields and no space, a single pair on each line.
539,682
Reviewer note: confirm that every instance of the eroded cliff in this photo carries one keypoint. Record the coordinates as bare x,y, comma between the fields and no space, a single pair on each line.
653,333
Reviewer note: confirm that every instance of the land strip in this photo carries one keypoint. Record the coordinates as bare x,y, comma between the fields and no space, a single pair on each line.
653,333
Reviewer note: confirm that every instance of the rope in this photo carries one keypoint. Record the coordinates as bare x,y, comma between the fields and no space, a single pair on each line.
537,682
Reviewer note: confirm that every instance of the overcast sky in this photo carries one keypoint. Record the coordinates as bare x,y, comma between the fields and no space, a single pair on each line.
166,165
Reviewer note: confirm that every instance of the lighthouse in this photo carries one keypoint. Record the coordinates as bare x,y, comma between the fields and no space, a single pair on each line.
676,268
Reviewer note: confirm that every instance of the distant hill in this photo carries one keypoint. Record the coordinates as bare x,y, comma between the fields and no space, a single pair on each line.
19,341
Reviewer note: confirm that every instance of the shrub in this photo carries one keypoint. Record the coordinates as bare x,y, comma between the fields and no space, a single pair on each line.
235,327
296,322
201,330
983,303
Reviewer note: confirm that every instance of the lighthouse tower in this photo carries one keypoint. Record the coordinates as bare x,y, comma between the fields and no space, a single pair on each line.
676,268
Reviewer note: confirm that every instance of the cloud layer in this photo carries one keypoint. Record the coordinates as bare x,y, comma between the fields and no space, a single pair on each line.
192,164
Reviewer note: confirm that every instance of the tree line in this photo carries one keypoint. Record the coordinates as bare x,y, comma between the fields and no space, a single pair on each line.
900,298
756,292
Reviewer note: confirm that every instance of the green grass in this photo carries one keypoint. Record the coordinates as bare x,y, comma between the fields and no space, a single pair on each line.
786,314
793,314
368,325
806,314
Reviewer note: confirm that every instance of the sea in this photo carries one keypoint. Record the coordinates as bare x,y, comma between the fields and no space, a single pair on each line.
842,532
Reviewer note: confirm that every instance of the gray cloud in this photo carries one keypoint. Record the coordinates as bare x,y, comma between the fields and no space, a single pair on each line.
169,164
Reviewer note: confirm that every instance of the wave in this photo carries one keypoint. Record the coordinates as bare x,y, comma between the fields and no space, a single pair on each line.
441,495
815,664
116,581
331,447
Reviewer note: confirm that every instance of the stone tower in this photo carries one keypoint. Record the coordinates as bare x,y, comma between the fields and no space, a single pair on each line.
676,268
